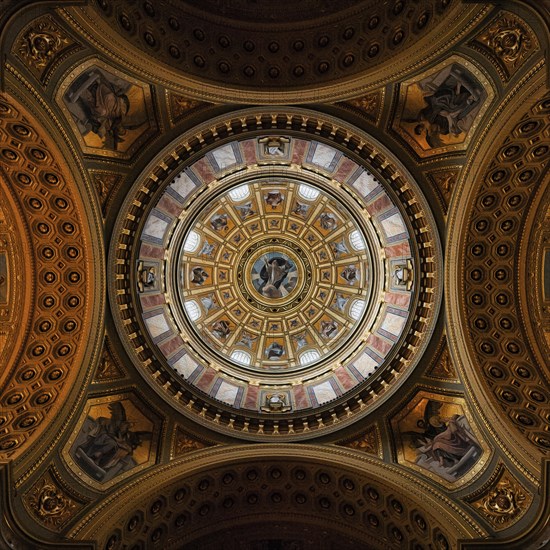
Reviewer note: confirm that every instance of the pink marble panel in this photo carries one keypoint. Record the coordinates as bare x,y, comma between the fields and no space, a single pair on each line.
347,166
203,169
401,249
379,345
205,381
300,397
151,251
298,154
170,206
343,376
397,299
249,151
153,300
251,400
380,205
171,346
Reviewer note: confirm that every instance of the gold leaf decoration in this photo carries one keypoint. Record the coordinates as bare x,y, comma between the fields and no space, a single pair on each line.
184,443
370,105
108,368
443,368
50,504
507,41
503,502
368,443
444,182
180,105
105,183
40,43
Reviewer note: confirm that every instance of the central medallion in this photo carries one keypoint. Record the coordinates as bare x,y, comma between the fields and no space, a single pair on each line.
274,275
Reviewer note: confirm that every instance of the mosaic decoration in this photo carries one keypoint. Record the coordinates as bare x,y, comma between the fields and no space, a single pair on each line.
111,113
275,277
438,111
114,437
435,435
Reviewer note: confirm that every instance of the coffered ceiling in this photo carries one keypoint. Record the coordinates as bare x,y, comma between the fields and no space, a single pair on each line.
274,275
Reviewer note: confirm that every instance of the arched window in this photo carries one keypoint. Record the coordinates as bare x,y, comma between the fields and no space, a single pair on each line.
192,242
241,357
239,193
307,192
309,356
356,240
356,309
193,310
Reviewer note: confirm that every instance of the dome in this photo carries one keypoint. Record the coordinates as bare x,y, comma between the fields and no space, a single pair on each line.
278,274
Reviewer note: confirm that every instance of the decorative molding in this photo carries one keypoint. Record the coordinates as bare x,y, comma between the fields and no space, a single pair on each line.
369,442
183,443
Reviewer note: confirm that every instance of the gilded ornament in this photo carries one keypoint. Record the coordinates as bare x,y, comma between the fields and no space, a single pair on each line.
504,502
443,367
107,368
369,104
367,443
50,505
180,105
105,182
41,43
184,444
509,41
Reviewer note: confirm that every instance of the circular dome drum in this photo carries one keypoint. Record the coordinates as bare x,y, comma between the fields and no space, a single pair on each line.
274,276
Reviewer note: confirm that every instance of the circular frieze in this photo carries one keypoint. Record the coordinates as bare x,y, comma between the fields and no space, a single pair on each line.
275,275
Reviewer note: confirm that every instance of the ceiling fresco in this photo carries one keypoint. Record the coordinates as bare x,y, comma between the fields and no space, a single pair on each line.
274,276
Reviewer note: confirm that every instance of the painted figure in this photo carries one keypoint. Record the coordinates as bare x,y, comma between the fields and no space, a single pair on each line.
221,329
274,198
453,98
103,107
328,221
110,443
273,275
350,274
199,275
218,222
274,351
329,329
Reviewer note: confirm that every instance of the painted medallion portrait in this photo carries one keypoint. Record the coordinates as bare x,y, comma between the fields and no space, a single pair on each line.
274,275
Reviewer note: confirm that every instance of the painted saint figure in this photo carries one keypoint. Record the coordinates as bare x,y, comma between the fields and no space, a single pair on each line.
103,107
273,274
453,98
274,351
199,275
110,443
